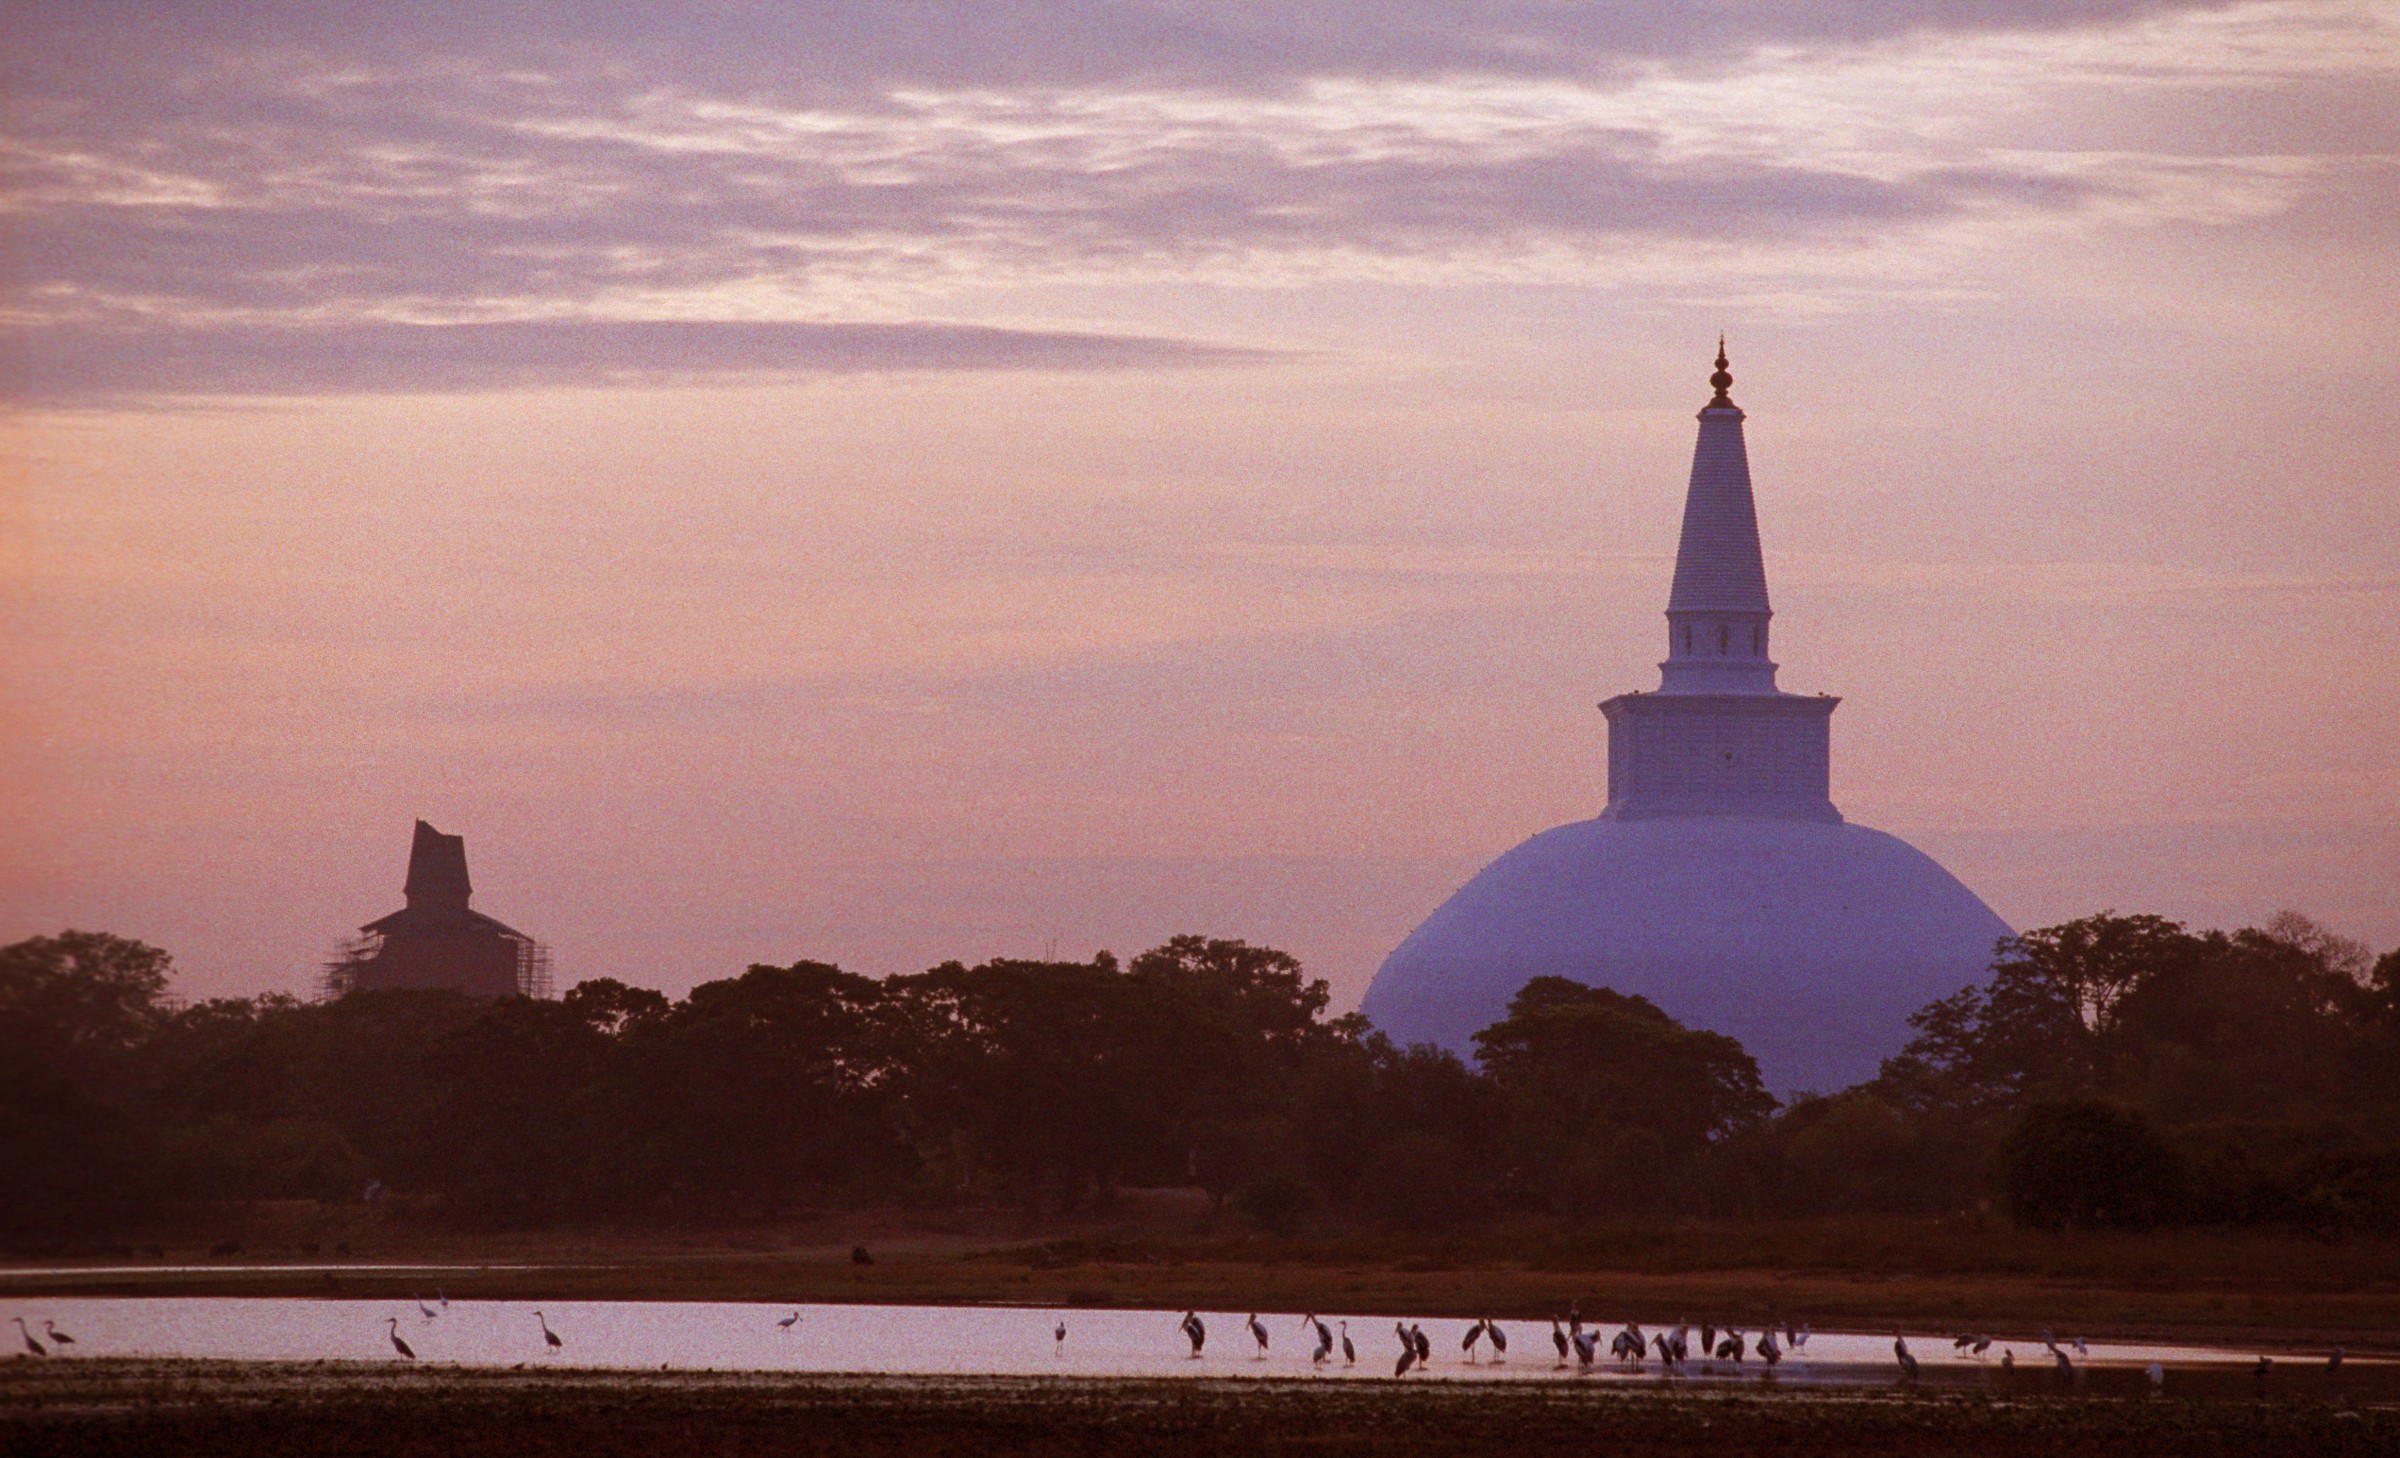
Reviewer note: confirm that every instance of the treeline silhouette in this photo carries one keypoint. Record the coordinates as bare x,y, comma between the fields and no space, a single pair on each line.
2115,1071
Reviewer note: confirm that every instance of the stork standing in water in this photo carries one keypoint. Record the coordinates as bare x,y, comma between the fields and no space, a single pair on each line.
1587,1347
403,1348
1258,1334
1499,1339
1195,1331
1558,1339
1908,1361
63,1341
1423,1344
1324,1338
32,1344
1768,1352
1408,1351
549,1337
790,1321
1467,1343
1733,1346
1060,1338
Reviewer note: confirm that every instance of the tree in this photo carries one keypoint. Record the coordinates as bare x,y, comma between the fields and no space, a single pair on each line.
2082,1163
1606,1094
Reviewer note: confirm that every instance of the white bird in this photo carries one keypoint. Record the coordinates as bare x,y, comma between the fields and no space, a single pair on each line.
403,1348
31,1345
1258,1333
548,1336
64,1341
790,1321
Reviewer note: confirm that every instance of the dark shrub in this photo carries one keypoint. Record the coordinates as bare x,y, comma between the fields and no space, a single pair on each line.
2082,1163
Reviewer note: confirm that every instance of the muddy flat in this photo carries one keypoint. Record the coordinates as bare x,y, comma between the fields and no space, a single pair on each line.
258,1410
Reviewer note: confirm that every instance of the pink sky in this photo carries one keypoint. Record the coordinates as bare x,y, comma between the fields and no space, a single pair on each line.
908,483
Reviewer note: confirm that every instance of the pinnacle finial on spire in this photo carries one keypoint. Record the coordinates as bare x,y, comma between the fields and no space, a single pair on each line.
1722,379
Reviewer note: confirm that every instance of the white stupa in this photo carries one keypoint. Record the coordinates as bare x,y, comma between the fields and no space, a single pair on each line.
1720,882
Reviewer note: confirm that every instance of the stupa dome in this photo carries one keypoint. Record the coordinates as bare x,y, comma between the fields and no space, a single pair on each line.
1720,882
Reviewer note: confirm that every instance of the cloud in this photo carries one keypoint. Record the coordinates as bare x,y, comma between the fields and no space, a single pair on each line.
787,48
81,364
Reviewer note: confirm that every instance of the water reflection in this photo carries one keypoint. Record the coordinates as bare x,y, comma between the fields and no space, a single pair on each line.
985,1340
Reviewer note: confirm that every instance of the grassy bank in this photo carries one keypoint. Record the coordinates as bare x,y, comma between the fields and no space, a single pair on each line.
262,1410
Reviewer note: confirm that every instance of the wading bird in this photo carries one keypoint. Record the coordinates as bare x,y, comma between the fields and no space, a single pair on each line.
2065,1367
1324,1347
63,1341
1498,1337
790,1321
31,1343
440,1300
2158,1375
549,1337
1665,1350
1467,1343
1732,1346
2008,1359
1708,1337
1060,1337
1423,1344
422,1309
1768,1352
403,1348
1558,1339
1195,1331
1349,1352
2081,1350
1587,1347
1908,1361
1408,1350
2265,1364
1258,1334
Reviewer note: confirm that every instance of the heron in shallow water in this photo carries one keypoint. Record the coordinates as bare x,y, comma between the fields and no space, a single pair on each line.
1558,1339
403,1348
1258,1333
60,1338
1467,1343
422,1309
32,1344
790,1321
1498,1338
1349,1352
1908,1360
549,1337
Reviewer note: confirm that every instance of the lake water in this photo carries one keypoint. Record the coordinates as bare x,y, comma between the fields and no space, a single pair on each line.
956,1340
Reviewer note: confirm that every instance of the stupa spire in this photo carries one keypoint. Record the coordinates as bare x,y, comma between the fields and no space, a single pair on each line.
1717,611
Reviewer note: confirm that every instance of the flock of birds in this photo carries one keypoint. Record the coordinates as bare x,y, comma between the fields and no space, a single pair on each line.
1629,1348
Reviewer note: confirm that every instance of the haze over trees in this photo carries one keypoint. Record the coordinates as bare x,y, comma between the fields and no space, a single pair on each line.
2113,1071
